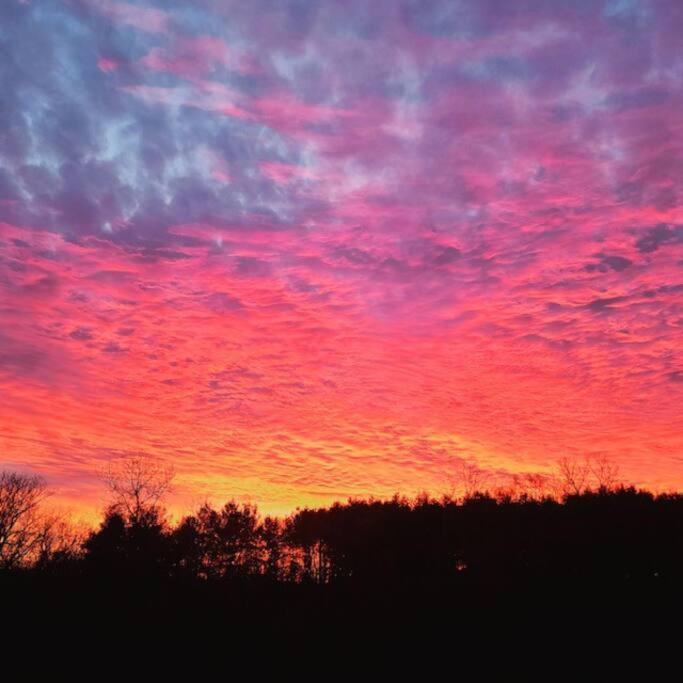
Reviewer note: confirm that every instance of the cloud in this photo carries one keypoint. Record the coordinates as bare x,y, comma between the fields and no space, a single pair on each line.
81,333
617,263
447,256
220,302
660,234
312,249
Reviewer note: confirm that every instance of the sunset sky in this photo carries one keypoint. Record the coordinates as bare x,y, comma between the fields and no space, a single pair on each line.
310,250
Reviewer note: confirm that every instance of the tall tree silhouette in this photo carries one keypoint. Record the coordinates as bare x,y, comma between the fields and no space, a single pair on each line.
222,543
133,537
138,484
22,528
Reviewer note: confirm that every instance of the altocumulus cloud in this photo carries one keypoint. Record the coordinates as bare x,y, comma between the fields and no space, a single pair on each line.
312,249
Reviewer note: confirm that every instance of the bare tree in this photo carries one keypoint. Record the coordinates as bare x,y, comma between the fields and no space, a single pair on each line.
138,483
574,475
59,538
468,479
535,485
22,527
605,472
578,476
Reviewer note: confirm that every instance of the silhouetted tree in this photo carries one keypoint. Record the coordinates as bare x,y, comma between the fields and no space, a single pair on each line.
61,542
107,549
22,527
573,475
130,546
605,472
138,484
306,530
133,537
222,543
577,476
270,532
466,479
188,551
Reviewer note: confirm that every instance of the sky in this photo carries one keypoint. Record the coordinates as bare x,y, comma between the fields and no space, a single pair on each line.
308,250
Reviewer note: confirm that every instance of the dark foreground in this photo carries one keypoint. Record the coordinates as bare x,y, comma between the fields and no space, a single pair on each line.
523,576
507,632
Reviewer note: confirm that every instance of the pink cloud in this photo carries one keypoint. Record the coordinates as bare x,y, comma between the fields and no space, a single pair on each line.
107,65
143,18
312,256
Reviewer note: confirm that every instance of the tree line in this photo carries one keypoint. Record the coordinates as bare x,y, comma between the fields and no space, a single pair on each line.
583,525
